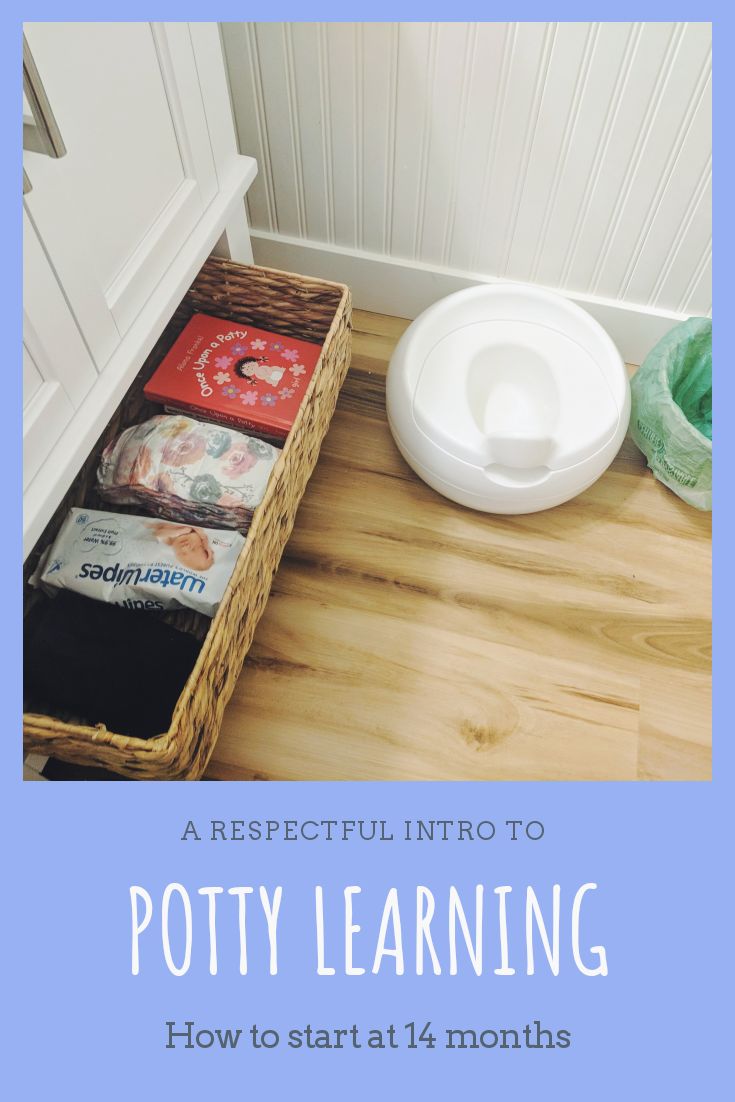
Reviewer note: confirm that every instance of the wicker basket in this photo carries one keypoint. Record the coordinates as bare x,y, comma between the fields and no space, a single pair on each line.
301,307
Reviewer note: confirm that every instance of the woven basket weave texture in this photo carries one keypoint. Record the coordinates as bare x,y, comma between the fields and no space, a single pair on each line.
295,306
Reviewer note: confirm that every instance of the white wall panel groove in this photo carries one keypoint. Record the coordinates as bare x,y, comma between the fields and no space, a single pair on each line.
574,155
541,194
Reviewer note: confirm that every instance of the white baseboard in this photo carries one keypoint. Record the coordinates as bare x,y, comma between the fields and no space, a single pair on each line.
404,288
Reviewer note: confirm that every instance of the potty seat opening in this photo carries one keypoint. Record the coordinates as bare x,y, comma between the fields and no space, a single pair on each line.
513,399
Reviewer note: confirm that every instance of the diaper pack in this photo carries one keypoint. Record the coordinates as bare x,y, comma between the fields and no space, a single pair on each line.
188,471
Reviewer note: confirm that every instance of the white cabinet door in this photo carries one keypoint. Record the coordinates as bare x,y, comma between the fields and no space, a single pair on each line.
138,173
46,413
58,371
117,228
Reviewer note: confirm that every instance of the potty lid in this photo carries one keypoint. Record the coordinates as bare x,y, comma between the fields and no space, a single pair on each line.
516,393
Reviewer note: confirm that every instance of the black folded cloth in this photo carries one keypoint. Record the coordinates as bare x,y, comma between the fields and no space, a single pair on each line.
107,664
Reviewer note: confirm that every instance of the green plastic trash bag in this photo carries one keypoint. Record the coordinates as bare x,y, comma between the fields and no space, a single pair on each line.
671,411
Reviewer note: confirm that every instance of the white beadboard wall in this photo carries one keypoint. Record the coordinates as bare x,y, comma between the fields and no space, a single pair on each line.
413,158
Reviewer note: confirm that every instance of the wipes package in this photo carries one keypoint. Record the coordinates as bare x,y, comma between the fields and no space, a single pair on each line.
140,563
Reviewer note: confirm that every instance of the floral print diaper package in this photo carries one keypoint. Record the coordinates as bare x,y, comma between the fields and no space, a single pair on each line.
188,471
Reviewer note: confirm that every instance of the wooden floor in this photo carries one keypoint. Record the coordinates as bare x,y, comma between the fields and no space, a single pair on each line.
409,638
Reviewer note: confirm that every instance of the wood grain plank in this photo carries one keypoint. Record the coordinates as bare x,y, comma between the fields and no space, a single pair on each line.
409,638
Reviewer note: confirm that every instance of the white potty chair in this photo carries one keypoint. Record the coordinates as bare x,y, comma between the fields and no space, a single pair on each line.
507,399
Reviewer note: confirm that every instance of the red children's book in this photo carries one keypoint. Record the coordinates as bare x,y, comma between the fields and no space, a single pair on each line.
219,370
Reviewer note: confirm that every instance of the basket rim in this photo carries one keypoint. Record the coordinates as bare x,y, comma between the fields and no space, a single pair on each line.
318,281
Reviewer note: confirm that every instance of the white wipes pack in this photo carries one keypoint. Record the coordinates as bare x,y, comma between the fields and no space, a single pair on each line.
140,562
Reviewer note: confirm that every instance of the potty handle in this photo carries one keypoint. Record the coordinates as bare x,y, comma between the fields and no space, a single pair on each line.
518,460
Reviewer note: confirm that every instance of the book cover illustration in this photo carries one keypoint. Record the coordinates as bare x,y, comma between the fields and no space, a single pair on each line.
237,375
